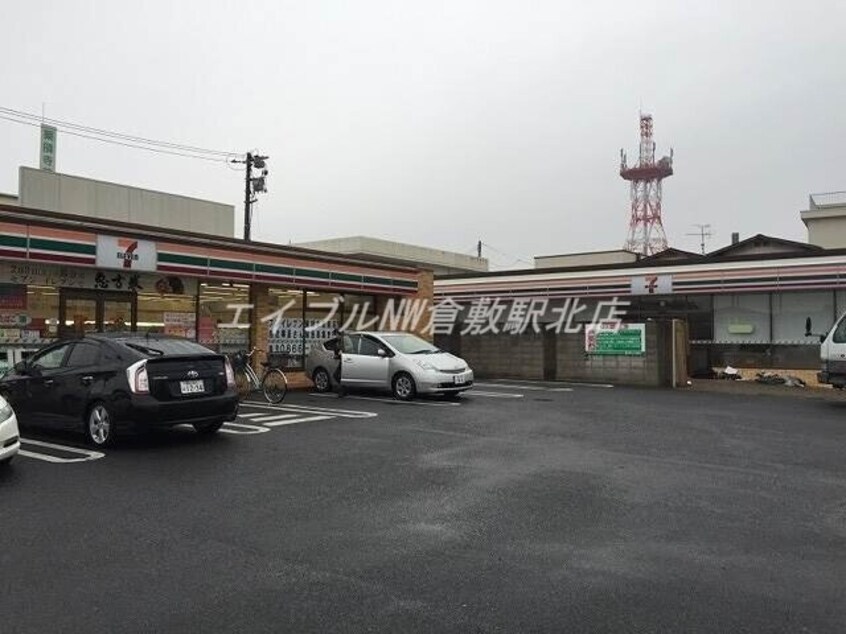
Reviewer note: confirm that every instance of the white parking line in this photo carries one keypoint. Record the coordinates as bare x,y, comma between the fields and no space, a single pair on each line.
510,386
243,429
543,388
87,454
386,400
394,401
309,409
250,415
495,394
294,421
262,418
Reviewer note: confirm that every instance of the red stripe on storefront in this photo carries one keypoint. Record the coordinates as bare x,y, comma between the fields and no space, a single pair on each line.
168,268
69,259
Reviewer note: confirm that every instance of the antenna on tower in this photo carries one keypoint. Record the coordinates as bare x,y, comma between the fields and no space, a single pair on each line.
704,232
646,228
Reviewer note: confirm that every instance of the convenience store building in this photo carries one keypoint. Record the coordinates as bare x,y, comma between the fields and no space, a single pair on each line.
66,274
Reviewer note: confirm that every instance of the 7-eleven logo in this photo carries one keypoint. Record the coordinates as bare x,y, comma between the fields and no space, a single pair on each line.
126,252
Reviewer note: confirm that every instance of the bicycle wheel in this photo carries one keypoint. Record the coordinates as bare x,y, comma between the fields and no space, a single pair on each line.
242,384
274,385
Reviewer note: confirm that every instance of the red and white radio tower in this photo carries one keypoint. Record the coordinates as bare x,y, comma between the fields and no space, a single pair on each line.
646,229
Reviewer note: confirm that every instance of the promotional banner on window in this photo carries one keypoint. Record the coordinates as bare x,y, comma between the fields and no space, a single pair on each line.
609,340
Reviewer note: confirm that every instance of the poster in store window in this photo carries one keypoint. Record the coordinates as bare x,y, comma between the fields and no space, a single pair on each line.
12,297
180,324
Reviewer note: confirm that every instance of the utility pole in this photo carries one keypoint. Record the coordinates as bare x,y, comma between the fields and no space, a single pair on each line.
252,185
479,250
704,232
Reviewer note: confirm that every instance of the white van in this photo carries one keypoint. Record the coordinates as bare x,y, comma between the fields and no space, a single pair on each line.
832,353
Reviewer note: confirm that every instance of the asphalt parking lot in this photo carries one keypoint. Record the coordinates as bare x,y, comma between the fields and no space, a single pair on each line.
522,507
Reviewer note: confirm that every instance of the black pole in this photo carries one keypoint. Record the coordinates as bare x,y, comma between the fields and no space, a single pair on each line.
248,206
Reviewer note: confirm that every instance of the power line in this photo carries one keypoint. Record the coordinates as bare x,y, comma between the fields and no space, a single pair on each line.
508,255
112,134
115,141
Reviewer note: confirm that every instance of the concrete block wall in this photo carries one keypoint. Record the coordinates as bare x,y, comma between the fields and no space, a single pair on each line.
574,365
503,355
562,357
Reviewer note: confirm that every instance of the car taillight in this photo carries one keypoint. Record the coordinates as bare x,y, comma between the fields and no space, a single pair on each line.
230,373
136,375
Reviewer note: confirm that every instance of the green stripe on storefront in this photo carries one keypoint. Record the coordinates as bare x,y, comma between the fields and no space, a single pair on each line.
322,275
381,281
63,247
188,260
346,277
405,283
231,265
274,270
13,241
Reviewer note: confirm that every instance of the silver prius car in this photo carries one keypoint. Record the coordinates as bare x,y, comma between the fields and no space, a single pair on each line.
397,361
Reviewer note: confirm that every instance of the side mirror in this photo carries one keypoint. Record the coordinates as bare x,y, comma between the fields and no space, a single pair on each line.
808,327
381,352
21,367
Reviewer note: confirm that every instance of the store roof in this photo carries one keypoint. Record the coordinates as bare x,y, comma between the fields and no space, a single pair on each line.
67,221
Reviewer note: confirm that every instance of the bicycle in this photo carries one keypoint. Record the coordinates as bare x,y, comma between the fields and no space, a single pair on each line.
273,382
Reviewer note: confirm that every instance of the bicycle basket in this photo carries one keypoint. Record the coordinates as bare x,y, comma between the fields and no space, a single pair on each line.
238,360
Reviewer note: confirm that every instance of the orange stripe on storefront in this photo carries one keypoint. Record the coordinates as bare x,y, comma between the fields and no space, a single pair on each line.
62,234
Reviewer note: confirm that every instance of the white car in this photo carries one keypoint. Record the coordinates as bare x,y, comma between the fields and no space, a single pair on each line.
397,361
10,439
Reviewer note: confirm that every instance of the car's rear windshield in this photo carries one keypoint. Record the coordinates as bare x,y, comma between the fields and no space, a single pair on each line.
161,347
410,344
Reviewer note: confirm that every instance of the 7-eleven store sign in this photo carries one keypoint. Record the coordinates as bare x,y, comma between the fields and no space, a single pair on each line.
126,253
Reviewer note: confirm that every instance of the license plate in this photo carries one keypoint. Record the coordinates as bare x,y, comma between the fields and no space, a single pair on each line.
192,387
460,378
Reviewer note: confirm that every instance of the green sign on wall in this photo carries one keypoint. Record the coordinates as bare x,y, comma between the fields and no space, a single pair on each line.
48,148
605,339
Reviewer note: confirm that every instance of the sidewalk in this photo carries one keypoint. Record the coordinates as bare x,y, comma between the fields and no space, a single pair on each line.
752,388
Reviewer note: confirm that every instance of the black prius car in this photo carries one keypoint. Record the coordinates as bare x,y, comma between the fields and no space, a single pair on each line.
108,383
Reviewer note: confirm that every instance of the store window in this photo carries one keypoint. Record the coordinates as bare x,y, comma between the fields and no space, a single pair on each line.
170,307
742,318
700,317
286,331
37,319
360,312
791,309
323,317
217,312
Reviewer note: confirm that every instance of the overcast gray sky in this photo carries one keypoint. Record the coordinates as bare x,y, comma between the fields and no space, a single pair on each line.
440,123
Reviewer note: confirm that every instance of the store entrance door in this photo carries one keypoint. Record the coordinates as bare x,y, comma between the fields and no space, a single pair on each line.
82,311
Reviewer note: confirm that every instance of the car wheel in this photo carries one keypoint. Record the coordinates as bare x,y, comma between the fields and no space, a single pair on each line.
5,464
100,425
322,382
404,387
207,429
